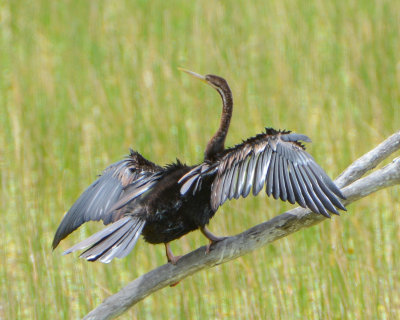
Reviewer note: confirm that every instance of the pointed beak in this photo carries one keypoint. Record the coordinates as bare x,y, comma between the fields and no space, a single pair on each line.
194,74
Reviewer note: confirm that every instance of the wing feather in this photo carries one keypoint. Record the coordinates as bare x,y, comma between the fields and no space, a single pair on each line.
277,160
282,183
304,191
227,184
233,187
270,177
319,192
328,192
246,186
290,194
262,169
312,192
126,179
216,197
250,171
241,178
328,182
276,190
296,187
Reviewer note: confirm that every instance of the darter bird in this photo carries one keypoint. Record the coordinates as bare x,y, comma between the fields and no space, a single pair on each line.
137,197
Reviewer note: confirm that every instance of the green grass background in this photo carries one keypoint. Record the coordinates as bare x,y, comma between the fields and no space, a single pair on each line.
82,81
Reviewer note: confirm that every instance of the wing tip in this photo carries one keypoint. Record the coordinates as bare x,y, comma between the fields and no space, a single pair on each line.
55,244
326,215
59,236
341,195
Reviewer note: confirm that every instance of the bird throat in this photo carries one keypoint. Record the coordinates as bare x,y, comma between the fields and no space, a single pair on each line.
216,145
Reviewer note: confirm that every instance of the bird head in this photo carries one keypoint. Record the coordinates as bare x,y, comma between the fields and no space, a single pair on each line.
214,81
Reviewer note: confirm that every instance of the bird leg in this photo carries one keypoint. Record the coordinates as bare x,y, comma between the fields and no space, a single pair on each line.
211,237
170,256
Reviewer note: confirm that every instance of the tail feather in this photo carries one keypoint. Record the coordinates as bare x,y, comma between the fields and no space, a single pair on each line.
123,251
107,249
116,240
103,246
122,247
97,236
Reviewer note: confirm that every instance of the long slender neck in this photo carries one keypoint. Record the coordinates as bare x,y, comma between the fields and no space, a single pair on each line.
217,143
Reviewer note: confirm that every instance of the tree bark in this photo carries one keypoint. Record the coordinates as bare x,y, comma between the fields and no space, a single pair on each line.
278,227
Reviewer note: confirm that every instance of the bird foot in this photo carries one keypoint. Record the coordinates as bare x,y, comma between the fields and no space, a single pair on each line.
208,247
170,256
210,236
174,259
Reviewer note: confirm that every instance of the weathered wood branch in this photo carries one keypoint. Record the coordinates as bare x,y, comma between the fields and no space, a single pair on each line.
369,160
259,235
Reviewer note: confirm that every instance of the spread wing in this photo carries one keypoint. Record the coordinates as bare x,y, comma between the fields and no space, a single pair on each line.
275,159
128,178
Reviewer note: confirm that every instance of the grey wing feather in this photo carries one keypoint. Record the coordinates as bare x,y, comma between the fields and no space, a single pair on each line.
246,185
282,183
270,176
260,175
279,161
296,188
289,188
126,179
276,190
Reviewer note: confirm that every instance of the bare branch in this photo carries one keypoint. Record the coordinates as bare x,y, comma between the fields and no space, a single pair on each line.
259,235
369,160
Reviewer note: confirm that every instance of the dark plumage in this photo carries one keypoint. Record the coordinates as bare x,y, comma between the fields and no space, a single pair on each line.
165,203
